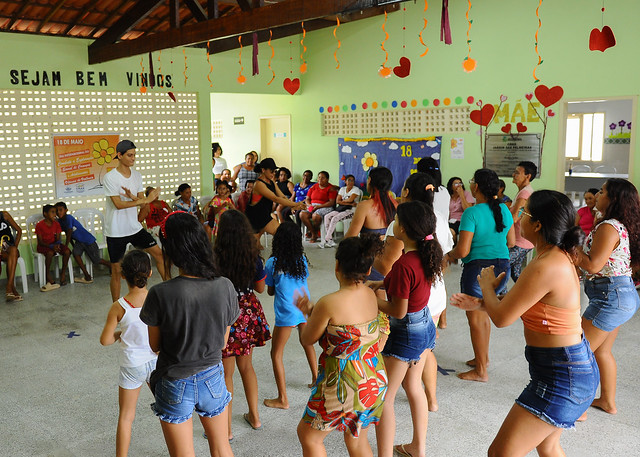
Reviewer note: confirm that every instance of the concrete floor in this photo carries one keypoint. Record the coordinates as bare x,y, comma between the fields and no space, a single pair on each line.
60,394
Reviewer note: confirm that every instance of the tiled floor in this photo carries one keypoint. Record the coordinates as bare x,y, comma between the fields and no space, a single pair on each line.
60,391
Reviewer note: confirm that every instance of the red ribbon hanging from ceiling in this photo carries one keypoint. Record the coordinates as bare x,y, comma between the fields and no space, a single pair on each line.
445,27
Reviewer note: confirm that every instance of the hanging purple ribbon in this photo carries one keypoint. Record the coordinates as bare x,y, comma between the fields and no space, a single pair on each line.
445,27
256,70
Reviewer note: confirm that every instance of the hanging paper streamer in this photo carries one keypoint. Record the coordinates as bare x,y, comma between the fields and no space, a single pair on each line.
468,63
445,27
143,89
385,71
273,53
241,78
256,70
426,6
335,54
210,64
152,75
601,40
159,62
303,66
535,78
184,53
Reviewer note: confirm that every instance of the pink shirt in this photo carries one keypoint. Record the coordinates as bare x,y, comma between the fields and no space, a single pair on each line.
586,219
455,206
522,242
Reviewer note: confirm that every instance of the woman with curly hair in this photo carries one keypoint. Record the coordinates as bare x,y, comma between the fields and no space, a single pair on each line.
287,273
238,259
611,252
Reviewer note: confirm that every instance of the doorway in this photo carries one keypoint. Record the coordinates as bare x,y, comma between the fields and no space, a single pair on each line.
275,139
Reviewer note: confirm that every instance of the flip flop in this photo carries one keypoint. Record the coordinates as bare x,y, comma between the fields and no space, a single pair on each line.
13,297
82,280
400,450
246,418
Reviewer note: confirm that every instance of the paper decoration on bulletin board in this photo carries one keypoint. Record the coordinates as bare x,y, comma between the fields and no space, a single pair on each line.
457,148
400,155
601,39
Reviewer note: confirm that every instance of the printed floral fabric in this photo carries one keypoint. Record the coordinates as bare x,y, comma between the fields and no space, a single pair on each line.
619,263
191,207
216,202
251,329
352,382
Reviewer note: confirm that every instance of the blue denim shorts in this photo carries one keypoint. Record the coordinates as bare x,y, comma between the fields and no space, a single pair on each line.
470,271
133,377
563,383
410,336
612,301
204,391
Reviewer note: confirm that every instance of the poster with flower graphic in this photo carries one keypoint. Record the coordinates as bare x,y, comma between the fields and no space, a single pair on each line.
400,155
81,161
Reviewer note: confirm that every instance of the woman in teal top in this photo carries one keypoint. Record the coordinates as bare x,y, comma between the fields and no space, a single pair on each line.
486,233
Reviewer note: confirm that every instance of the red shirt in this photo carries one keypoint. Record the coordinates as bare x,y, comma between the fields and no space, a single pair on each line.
406,280
319,196
157,215
48,232
243,200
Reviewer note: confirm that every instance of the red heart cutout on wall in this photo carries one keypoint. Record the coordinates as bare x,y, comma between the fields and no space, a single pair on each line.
403,70
601,40
506,128
548,97
529,96
520,127
291,85
482,116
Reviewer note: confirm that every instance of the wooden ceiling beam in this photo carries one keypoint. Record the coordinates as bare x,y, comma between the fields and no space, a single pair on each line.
244,5
81,14
108,19
212,9
140,10
268,17
18,14
47,18
196,9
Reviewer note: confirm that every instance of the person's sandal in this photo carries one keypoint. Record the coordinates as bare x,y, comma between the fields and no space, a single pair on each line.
48,287
83,280
13,297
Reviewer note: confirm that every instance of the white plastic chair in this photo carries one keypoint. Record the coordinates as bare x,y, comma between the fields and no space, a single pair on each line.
581,169
23,270
606,169
39,273
92,220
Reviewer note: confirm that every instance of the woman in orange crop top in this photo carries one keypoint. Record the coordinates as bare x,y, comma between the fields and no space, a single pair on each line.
564,374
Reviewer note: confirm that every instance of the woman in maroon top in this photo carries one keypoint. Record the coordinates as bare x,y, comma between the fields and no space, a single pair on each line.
320,201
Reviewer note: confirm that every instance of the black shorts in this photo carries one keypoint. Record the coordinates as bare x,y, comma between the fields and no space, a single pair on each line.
118,246
92,250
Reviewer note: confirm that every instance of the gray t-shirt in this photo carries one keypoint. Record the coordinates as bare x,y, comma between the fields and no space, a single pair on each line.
193,315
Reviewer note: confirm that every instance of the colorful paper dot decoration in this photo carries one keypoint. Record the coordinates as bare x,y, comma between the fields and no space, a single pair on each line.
436,102
414,103
384,104
425,102
374,105
394,104
470,100
353,107
345,108
458,100
403,104
364,105
322,109
329,109
446,101
469,65
336,108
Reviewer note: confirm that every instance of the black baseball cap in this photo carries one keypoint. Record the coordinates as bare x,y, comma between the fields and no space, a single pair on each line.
124,146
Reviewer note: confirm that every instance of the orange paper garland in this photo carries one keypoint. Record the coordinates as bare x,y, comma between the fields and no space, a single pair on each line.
335,54
273,53
535,78
143,89
241,78
426,6
184,53
469,64
210,65
303,65
384,71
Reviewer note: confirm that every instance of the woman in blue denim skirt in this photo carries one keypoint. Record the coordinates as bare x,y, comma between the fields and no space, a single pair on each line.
486,233
564,373
189,318
611,251
413,333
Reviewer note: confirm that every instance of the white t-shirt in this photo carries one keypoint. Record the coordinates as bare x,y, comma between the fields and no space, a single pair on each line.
441,201
220,165
438,297
354,190
121,222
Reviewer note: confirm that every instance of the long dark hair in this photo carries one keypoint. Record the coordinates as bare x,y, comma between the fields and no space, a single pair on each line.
185,245
489,184
557,218
236,249
355,255
288,251
136,268
624,206
419,222
416,184
380,180
430,166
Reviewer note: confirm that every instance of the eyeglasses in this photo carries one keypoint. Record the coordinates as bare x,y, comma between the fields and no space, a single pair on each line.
472,181
521,211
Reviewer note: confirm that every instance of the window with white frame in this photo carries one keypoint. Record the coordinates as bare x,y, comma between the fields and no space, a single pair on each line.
164,131
585,136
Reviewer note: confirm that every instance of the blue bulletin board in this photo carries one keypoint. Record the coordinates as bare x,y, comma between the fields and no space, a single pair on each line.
400,155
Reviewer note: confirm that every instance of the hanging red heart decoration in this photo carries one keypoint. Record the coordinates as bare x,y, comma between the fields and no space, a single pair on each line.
482,116
548,97
529,96
520,127
506,128
601,40
403,70
291,85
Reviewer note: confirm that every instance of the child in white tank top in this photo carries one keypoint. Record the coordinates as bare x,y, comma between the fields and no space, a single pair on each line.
137,360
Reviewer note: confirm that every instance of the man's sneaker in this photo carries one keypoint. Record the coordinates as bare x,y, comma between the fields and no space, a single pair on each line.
331,244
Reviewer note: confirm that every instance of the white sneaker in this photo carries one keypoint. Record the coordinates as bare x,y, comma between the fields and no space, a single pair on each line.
321,245
331,244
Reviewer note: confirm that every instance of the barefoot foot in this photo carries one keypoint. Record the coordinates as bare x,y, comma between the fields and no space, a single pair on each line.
311,384
472,363
473,375
276,403
433,405
604,406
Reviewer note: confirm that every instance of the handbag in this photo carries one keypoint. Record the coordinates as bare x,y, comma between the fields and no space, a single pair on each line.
341,208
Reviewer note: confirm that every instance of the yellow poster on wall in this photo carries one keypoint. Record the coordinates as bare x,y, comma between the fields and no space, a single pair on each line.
81,161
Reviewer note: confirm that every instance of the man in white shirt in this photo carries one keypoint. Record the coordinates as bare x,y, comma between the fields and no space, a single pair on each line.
125,192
